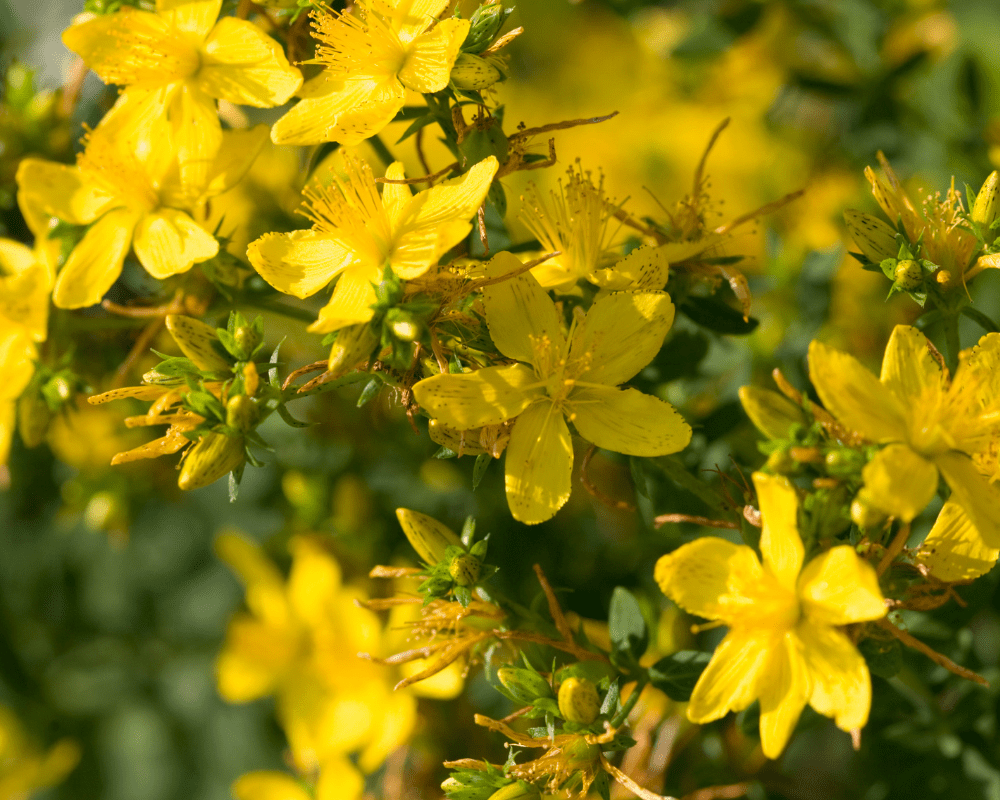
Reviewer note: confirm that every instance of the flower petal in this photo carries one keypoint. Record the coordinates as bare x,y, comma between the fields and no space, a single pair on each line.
333,110
729,682
645,269
621,334
784,687
909,369
627,421
979,498
339,779
169,242
197,136
772,413
313,582
58,190
485,397
979,371
398,719
519,311
431,55
437,219
235,157
780,542
8,417
854,396
838,587
899,482
954,550
191,16
352,300
96,261
267,785
841,685
539,464
395,196
410,18
299,263
17,362
242,64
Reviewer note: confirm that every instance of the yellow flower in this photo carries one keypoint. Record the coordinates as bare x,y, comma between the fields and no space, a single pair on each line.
176,63
24,769
784,644
356,234
929,424
370,61
25,282
130,200
300,642
338,779
562,377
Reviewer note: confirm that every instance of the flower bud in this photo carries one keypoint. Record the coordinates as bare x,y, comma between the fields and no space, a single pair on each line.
451,785
197,341
464,569
772,413
781,462
484,26
214,455
241,412
516,791
909,276
33,417
403,326
943,279
984,210
429,537
353,345
524,684
875,238
865,515
578,701
473,73
246,340
843,461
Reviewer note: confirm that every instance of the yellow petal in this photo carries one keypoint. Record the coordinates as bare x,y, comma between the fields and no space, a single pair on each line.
784,687
539,464
17,362
251,662
444,685
954,550
909,369
314,580
191,16
247,560
58,190
96,261
15,257
841,685
352,300
169,242
431,55
979,498
645,269
395,196
729,682
627,421
235,157
621,334
437,219
484,397
874,238
711,578
197,341
410,18
339,779
265,785
854,396
24,293
518,311
8,417
197,136
838,587
772,413
299,263
428,537
333,110
899,482
242,64
979,371
397,721
780,542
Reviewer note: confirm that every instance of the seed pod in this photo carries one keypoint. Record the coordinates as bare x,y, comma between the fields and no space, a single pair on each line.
428,536
875,238
353,345
214,455
524,684
464,569
33,417
197,341
474,73
909,276
241,412
578,701
984,210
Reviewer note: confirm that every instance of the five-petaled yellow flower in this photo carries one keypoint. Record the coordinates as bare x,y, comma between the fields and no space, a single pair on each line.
560,377
929,424
356,234
130,199
175,63
784,645
371,59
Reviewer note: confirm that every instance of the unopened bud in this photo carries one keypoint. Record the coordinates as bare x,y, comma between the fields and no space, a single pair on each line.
474,73
516,791
843,461
209,459
451,785
429,537
197,341
246,340
353,345
406,330
875,238
772,413
781,462
464,569
578,701
524,684
865,515
484,25
909,276
984,210
943,279
241,412
33,417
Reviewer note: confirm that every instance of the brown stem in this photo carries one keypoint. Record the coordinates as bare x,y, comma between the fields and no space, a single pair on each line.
537,638
700,171
481,215
419,142
425,178
555,610
728,792
664,519
933,655
894,549
314,367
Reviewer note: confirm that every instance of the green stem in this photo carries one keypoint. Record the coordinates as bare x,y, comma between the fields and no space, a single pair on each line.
292,312
381,150
633,698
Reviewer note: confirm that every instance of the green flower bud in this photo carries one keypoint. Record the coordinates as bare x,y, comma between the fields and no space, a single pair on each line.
524,684
484,25
865,515
246,340
843,461
984,210
909,276
214,455
353,345
464,569
578,701
451,785
403,325
474,73
781,462
241,412
875,238
429,537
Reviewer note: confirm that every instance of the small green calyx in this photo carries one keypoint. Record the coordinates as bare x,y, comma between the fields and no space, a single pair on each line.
579,701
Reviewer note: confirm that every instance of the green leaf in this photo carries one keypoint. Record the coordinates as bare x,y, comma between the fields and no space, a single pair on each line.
717,316
286,415
369,392
479,470
884,657
676,674
626,625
